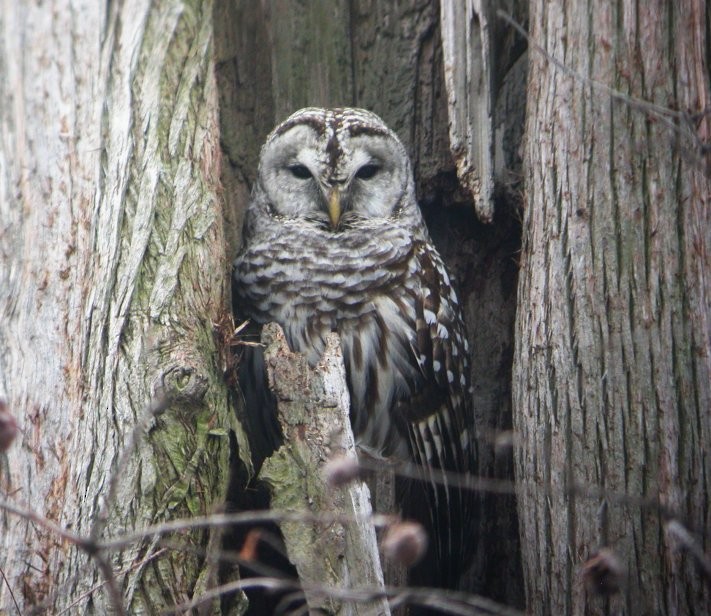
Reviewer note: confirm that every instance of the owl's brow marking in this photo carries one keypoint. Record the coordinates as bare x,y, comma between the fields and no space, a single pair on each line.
315,123
374,131
334,150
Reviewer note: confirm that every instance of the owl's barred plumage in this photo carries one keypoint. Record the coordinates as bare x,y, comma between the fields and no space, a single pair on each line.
334,241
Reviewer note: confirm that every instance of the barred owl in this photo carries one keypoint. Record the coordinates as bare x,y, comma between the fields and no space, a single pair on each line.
334,241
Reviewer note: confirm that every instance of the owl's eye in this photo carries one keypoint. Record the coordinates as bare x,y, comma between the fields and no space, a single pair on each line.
367,171
300,171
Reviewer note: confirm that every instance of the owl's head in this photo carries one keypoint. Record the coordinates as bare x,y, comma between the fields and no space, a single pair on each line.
334,168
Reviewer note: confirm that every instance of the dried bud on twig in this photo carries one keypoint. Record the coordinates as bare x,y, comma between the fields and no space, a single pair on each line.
8,427
603,573
251,542
504,442
405,542
340,471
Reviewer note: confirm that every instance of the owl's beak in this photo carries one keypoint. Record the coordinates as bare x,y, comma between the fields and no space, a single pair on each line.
334,206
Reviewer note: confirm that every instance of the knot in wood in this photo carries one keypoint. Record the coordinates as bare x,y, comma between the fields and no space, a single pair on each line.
184,384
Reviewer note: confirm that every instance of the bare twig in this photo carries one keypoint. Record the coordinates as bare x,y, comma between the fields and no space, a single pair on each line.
226,556
464,481
648,503
661,112
445,600
155,407
12,594
33,516
675,121
108,573
685,539
228,519
101,584
87,545
266,583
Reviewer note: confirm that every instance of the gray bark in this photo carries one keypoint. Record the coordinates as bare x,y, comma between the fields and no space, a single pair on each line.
612,377
468,55
313,407
112,276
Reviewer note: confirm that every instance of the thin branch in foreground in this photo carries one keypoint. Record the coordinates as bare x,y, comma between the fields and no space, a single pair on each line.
156,406
506,486
87,545
37,518
226,556
451,603
298,598
103,583
90,545
108,573
687,541
243,517
674,121
448,601
12,594
465,481
470,482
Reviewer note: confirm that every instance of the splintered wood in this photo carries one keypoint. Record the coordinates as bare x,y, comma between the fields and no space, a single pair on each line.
338,553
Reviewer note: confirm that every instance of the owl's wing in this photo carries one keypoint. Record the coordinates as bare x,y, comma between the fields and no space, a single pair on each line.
439,410
438,413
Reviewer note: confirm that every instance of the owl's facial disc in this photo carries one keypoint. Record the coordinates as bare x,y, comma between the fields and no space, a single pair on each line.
332,177
377,171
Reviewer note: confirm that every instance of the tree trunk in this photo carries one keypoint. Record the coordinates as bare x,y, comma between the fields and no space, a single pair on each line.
612,376
275,57
112,275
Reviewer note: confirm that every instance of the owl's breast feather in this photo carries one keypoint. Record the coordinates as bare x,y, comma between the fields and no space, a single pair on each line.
363,287
296,270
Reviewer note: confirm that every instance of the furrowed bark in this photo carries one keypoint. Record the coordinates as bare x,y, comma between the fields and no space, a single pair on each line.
612,380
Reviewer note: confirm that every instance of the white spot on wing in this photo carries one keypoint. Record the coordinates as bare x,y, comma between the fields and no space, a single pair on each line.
464,440
436,438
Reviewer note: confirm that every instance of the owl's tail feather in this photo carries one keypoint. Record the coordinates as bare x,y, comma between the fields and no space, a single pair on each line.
450,515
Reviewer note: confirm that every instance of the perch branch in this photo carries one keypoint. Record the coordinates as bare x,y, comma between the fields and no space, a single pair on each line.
313,410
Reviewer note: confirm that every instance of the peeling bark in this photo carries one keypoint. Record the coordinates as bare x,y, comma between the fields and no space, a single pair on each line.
113,271
468,70
484,74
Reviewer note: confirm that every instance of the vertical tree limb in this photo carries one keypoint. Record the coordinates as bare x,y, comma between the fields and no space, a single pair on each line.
313,411
468,74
